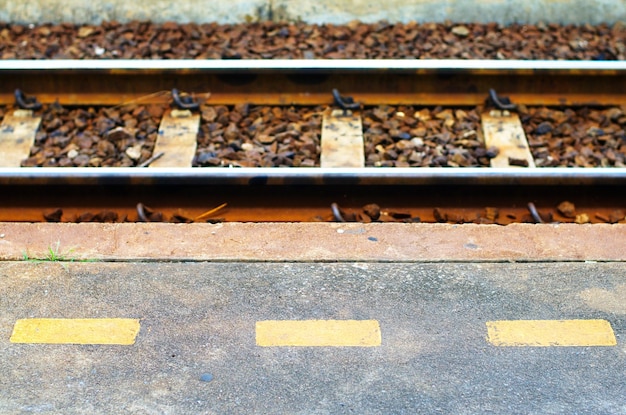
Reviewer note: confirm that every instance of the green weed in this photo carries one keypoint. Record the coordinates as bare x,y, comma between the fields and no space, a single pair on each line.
54,254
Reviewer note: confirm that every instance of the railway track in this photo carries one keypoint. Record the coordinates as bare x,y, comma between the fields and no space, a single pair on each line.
491,121
204,316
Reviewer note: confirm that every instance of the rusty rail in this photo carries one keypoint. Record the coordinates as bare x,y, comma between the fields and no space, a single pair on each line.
279,82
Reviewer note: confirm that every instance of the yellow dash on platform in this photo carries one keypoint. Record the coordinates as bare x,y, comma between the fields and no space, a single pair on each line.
543,333
337,333
121,331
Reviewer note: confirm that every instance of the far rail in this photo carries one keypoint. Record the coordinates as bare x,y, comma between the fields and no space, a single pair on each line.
310,82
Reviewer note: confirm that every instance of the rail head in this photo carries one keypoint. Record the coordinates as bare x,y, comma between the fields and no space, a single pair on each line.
125,66
553,176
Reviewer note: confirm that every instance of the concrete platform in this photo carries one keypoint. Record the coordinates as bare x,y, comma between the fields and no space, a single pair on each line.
198,350
318,242
312,318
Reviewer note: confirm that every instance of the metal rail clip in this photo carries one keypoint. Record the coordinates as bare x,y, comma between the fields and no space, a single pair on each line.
501,103
345,103
26,103
184,102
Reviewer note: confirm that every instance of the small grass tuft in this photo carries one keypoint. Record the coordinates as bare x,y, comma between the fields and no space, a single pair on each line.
54,254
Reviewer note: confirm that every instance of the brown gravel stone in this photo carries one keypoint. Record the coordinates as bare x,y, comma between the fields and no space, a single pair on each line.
567,209
244,136
54,216
584,137
429,137
491,213
267,40
582,218
372,211
93,137
617,215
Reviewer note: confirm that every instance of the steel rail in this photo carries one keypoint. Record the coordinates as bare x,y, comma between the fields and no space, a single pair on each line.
310,82
547,176
360,65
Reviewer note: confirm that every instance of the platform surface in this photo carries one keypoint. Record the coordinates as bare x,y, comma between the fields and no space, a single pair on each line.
198,349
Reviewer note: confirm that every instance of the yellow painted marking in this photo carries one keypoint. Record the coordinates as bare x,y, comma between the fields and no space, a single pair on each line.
76,331
342,140
338,333
541,333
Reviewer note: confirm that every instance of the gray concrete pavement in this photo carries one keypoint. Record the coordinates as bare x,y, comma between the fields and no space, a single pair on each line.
199,319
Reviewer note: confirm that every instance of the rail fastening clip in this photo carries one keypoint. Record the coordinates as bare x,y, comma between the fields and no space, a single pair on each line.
345,103
184,102
501,103
26,103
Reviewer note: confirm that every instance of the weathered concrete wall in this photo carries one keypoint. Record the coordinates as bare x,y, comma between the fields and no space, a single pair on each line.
318,11
95,11
504,11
